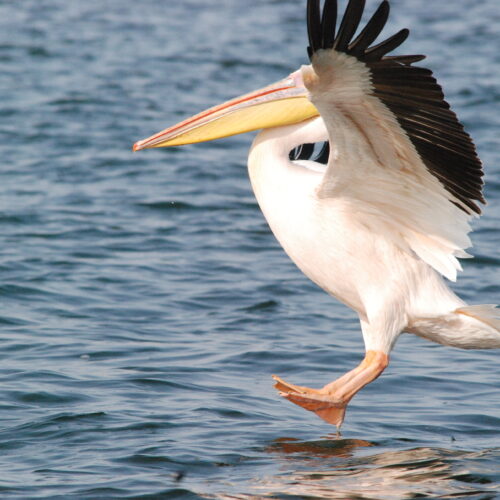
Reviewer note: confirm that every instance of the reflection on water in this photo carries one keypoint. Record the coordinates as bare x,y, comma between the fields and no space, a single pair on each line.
348,469
331,446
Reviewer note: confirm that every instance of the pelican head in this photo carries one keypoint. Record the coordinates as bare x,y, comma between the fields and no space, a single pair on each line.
282,103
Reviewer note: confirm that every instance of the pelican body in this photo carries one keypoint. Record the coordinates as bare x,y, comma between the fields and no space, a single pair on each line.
387,217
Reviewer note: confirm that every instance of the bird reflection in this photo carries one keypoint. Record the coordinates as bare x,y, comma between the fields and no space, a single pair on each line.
342,468
331,446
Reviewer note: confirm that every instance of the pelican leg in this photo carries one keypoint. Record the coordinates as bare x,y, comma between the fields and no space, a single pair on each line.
330,402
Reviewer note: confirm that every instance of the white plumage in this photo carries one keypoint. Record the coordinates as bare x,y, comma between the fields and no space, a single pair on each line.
358,244
388,216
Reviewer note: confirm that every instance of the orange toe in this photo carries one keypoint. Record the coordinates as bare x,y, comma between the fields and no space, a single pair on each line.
331,410
330,402
283,386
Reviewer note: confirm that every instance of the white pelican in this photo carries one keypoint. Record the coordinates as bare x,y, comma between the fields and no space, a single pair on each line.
386,219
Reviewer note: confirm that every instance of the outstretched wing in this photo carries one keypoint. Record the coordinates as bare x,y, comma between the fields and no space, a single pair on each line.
397,149
411,93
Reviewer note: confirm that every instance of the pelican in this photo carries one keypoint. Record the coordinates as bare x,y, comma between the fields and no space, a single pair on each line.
383,223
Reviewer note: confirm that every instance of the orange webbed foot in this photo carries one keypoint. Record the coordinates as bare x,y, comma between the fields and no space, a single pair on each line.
330,402
326,406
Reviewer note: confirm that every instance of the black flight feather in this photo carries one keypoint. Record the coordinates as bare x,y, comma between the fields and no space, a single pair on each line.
328,19
324,153
376,52
349,24
371,31
411,93
306,151
314,26
405,59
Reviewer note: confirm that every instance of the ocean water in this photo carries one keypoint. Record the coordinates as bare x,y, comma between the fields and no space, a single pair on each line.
145,303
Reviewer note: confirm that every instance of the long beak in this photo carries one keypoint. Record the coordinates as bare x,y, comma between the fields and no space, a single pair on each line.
281,103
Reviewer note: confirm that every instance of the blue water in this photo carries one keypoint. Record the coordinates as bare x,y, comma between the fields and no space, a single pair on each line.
145,303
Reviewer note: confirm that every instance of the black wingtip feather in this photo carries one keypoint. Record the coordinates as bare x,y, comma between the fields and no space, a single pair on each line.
322,34
349,24
376,52
328,22
314,25
407,60
371,31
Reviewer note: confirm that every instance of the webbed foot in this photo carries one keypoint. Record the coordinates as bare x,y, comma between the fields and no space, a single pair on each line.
326,406
330,402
